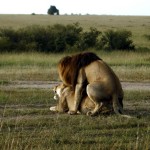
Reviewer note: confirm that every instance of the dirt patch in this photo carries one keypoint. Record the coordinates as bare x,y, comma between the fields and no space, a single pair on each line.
50,84
136,85
29,84
134,108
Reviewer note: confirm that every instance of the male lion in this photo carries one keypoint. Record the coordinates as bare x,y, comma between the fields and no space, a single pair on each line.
65,96
88,71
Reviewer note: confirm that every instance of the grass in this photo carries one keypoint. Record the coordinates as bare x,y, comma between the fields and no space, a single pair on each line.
27,123
138,25
29,66
25,119
129,66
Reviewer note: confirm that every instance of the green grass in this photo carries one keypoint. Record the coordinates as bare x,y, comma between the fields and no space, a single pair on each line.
28,66
27,123
129,66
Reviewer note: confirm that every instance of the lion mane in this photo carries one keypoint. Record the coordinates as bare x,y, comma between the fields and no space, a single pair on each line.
69,66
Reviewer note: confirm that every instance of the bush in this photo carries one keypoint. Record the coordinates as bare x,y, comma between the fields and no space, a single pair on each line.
9,39
5,44
58,38
44,39
88,39
111,40
65,36
72,34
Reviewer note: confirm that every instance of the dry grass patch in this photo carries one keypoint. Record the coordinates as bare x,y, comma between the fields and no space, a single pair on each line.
129,66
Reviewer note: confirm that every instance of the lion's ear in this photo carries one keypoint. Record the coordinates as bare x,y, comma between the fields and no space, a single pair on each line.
55,88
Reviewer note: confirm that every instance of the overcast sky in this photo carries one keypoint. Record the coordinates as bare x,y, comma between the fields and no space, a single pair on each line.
99,7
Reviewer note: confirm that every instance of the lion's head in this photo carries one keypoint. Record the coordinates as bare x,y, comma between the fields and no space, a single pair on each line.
58,90
60,94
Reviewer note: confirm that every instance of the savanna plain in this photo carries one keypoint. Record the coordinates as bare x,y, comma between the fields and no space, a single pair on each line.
25,119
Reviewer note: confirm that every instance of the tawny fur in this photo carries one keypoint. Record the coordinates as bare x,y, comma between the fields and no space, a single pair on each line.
66,97
88,71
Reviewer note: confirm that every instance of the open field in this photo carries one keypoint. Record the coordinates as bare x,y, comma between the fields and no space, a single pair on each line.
129,66
27,123
138,25
25,119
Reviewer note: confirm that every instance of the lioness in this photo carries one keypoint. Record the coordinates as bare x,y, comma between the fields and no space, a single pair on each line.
66,97
89,72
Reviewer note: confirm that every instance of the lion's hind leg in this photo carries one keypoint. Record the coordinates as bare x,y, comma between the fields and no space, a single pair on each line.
96,92
96,110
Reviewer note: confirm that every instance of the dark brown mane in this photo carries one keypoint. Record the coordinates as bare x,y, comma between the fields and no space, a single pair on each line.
64,69
69,66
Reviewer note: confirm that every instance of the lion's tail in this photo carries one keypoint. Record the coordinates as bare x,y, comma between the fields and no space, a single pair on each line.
118,108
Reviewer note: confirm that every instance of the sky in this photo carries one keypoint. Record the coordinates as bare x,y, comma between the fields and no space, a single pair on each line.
97,7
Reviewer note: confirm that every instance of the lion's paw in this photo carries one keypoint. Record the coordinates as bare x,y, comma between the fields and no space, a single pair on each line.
72,112
53,108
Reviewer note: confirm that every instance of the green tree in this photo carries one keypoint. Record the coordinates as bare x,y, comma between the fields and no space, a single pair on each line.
52,10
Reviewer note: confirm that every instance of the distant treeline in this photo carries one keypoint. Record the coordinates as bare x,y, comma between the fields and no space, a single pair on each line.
58,38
